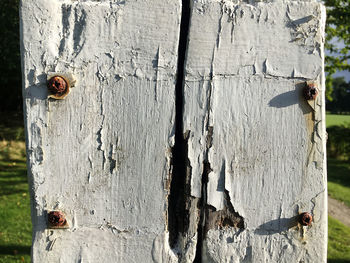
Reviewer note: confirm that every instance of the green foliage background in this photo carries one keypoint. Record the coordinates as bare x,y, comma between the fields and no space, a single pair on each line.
10,66
340,93
337,29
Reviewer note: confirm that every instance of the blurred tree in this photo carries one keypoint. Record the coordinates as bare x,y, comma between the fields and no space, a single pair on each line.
10,66
341,96
337,40
338,143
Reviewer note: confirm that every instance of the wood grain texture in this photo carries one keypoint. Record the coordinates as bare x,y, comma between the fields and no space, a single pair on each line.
102,155
247,119
254,148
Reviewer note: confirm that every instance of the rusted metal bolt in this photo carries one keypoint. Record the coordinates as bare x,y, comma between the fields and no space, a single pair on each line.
305,219
56,219
57,85
310,91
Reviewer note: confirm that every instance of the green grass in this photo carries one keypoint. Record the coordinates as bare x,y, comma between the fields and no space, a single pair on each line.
15,226
338,241
339,180
338,170
334,119
11,126
338,188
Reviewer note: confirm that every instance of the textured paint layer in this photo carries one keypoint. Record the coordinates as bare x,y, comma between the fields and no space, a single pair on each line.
255,148
245,71
101,155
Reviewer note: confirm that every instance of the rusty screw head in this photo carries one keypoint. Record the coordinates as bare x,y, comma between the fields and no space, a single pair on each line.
56,219
310,91
57,85
305,219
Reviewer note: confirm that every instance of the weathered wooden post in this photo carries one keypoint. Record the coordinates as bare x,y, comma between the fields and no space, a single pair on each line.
161,131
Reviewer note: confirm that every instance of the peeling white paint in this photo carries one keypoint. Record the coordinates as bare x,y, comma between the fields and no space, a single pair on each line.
245,69
103,155
102,152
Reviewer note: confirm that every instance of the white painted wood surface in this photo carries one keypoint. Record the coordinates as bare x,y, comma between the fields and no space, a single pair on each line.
245,68
103,154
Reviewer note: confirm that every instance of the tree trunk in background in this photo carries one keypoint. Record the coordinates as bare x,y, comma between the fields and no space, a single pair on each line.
185,136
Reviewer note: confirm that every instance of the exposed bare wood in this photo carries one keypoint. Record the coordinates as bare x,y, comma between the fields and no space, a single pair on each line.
246,68
250,148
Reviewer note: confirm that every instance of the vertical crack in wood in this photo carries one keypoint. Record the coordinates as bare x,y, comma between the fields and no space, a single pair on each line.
178,220
202,220
189,218
210,218
179,186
